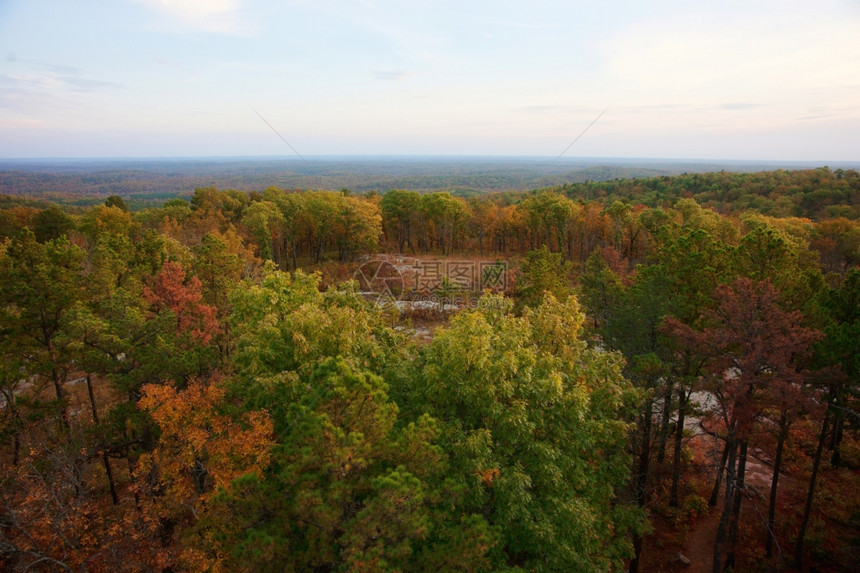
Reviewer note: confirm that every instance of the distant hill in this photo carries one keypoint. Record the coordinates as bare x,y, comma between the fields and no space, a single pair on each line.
72,181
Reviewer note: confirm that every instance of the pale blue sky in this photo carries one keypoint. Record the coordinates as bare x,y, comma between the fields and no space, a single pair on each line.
753,79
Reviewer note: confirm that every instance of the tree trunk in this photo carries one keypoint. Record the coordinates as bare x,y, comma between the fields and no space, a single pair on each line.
13,417
777,463
131,467
664,427
61,397
836,442
715,493
798,554
631,248
105,459
295,248
637,552
92,400
736,505
641,478
111,483
679,439
731,448
836,431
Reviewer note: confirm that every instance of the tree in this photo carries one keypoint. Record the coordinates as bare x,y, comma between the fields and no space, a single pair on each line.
41,285
600,289
841,347
160,331
399,210
51,223
172,292
200,451
292,209
285,324
535,424
547,215
543,272
627,228
768,252
266,223
445,214
15,220
838,242
753,345
485,221
359,226
102,221
367,489
364,492
55,519
116,201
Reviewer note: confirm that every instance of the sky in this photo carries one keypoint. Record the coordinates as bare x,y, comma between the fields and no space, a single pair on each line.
716,79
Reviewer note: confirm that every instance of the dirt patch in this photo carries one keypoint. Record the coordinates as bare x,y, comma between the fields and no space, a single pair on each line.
694,537
699,545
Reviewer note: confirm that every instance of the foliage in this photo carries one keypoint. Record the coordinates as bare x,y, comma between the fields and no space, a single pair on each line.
171,398
543,272
535,427
200,450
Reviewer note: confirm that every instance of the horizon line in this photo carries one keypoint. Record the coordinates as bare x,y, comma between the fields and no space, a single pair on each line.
394,156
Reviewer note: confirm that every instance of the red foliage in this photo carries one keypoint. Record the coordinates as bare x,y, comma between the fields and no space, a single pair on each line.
618,264
752,342
172,291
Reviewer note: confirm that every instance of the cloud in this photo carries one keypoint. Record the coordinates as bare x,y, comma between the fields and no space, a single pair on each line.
730,58
54,76
20,123
192,9
175,66
215,16
527,26
739,106
390,74
578,111
733,73
548,108
30,86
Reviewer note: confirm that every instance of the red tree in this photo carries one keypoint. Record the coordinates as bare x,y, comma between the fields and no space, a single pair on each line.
172,291
754,348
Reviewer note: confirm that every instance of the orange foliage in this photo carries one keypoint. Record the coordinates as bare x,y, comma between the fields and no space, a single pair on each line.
488,476
199,449
55,518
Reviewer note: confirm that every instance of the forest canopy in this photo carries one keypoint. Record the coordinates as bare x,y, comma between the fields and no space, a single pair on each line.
200,384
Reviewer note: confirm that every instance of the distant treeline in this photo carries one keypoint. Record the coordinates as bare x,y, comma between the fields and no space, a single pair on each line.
813,193
816,194
818,209
151,180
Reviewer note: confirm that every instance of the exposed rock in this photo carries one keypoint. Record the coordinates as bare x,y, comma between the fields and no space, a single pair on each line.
682,559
